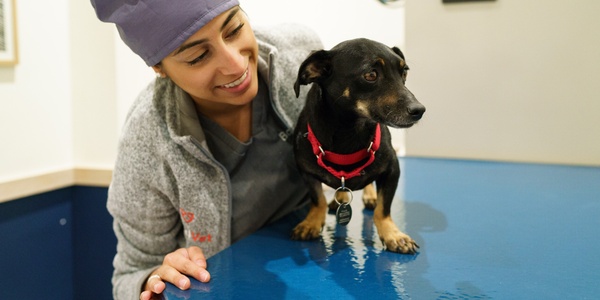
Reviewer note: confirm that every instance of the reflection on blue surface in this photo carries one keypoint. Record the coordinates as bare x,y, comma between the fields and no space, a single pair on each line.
486,231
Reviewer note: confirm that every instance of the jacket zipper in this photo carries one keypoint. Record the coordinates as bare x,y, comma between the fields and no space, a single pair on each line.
227,180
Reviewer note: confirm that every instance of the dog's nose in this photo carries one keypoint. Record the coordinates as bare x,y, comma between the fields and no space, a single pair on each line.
416,111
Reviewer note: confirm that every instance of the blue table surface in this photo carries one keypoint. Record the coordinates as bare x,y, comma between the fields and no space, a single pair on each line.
486,230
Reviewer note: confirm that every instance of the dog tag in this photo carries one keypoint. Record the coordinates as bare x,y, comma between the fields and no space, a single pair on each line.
343,214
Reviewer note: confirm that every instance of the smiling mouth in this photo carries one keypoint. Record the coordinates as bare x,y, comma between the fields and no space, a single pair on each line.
237,81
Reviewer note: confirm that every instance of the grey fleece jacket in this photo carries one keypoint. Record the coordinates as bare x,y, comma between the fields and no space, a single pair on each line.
167,190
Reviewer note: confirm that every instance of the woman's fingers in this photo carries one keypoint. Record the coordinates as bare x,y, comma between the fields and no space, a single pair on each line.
185,261
154,286
197,256
174,276
176,265
154,283
189,261
146,295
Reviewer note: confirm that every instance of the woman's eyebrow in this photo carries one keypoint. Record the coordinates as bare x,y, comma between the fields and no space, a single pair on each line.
189,45
232,14
184,47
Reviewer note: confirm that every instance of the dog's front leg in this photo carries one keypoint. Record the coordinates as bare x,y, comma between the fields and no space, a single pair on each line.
369,196
310,227
393,239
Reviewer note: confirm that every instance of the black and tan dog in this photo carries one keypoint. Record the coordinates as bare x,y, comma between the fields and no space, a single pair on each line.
341,137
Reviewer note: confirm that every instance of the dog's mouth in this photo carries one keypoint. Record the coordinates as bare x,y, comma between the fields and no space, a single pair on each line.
401,125
396,115
401,120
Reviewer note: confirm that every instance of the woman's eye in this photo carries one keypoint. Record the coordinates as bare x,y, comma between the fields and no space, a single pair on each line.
371,76
197,59
232,34
235,31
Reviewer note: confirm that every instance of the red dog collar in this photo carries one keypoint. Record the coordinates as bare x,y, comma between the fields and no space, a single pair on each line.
344,159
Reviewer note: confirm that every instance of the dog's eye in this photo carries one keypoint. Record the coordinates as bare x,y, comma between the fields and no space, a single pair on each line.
371,76
405,73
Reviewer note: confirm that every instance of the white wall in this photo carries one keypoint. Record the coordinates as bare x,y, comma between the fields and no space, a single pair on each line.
334,20
510,80
57,106
36,126
93,91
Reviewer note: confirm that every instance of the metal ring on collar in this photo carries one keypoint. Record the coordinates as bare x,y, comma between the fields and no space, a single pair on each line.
343,189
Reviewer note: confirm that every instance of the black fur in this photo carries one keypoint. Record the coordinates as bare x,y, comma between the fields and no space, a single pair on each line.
356,85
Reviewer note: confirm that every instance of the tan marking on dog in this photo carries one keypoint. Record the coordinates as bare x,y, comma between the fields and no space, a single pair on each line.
369,196
381,61
313,71
346,93
310,227
402,64
363,108
393,239
388,103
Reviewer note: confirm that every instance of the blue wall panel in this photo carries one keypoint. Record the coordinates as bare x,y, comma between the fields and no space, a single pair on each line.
36,247
57,245
94,244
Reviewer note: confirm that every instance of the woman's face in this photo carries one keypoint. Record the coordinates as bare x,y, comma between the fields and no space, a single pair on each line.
217,65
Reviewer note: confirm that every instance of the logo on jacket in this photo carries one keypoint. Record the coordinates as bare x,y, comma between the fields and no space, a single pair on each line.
201,238
187,216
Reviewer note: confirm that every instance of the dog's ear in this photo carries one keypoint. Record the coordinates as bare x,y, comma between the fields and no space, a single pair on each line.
397,51
317,65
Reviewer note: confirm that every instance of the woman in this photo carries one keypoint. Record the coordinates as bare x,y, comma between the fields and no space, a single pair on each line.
203,159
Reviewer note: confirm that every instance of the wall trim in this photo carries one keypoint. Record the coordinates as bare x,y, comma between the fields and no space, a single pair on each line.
42,183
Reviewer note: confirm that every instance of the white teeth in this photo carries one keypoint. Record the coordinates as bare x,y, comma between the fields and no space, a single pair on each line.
237,82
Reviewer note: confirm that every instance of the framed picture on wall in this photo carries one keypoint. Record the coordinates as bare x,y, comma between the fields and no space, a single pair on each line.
8,33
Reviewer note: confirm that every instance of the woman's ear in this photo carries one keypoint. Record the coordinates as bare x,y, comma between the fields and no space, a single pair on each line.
158,70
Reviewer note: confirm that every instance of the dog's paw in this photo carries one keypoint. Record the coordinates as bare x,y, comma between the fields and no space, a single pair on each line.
400,243
306,231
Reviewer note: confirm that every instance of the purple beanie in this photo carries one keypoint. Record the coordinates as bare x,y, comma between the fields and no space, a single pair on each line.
155,28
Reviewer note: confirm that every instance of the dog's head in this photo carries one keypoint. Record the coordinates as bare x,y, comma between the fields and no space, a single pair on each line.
365,79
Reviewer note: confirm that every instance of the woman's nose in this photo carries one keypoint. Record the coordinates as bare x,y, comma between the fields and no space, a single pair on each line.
231,61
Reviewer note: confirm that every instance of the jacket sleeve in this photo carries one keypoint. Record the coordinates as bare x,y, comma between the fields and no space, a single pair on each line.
146,224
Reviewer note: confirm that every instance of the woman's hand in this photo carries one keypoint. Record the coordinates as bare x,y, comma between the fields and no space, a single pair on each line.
176,265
